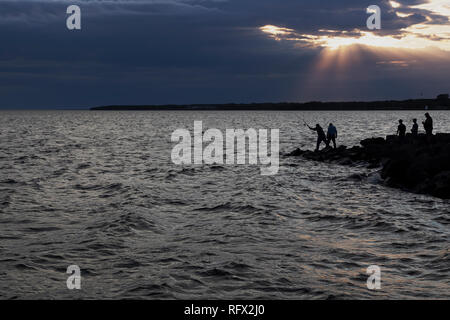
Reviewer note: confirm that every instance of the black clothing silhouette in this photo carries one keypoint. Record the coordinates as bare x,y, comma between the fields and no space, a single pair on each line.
401,130
415,129
320,136
428,124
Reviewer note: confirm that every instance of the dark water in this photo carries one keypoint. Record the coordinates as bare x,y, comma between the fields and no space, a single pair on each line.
99,190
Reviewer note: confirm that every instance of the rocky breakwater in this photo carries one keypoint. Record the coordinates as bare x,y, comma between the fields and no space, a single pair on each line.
418,164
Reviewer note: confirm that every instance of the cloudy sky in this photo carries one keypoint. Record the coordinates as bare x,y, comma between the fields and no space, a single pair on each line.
218,51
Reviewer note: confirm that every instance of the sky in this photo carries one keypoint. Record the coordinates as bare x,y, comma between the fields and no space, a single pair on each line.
220,51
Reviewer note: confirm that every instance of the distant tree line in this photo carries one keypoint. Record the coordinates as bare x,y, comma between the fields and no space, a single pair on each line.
442,102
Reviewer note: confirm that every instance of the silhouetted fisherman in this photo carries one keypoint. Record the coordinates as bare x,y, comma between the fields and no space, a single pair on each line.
415,128
428,124
320,135
401,131
332,135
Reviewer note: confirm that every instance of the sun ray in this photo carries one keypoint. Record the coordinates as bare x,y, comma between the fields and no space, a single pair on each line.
416,36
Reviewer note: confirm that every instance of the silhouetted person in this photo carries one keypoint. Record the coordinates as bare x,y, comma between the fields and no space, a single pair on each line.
428,124
320,135
415,128
332,135
401,131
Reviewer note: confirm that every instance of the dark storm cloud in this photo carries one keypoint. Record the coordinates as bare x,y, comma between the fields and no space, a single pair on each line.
173,51
301,15
35,11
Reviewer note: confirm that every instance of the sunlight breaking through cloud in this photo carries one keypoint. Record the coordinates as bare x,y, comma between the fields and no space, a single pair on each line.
416,36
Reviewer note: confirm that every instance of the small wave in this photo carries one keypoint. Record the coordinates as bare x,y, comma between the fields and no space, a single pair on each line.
228,207
215,272
113,186
83,166
357,177
23,266
42,229
9,181
237,266
375,178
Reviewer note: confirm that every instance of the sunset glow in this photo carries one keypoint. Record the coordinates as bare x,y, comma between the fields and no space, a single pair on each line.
394,4
415,38
431,33
275,32
440,7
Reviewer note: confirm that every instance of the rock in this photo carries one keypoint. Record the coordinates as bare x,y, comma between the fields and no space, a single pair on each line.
297,152
373,165
441,185
345,161
391,139
419,164
443,137
373,141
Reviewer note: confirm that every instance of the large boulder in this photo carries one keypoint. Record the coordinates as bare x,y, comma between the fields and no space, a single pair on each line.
372,141
296,153
441,185
442,137
420,164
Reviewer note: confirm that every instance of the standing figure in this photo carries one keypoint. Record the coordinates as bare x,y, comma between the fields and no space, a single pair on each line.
332,134
415,128
428,124
320,135
401,131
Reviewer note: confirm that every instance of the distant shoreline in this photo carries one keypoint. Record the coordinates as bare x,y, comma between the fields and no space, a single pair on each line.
392,105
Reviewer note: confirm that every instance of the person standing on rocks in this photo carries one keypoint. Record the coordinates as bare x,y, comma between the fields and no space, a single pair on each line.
415,128
332,135
320,135
401,131
428,124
